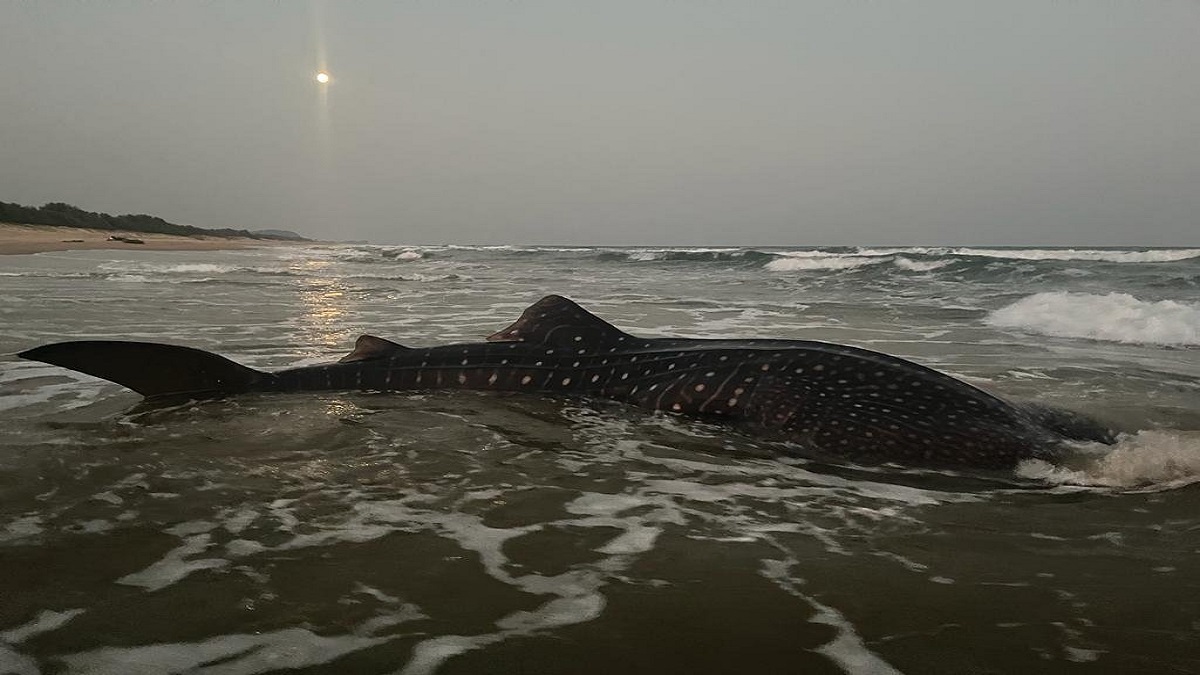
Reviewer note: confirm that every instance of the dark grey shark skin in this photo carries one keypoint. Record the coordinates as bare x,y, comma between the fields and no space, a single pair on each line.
829,399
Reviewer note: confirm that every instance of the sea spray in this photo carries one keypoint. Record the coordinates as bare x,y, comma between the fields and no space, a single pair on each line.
1115,317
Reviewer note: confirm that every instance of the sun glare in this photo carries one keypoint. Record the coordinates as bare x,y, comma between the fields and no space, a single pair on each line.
323,77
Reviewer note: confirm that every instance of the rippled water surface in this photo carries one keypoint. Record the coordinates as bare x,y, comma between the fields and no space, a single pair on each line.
457,532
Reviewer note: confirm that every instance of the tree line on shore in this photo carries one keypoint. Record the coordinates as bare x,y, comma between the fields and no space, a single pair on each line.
66,215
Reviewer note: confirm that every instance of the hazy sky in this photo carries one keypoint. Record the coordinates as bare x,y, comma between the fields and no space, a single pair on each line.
791,123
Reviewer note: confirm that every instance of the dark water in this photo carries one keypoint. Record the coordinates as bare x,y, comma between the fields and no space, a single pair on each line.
467,533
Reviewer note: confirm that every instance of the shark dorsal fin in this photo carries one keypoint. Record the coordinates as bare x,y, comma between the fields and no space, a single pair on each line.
557,321
369,347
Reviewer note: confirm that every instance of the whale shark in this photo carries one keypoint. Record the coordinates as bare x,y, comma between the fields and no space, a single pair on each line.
825,399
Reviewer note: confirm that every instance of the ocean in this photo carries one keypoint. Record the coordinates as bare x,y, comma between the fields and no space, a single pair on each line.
462,532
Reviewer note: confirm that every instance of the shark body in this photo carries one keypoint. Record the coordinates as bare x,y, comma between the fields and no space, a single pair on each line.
829,399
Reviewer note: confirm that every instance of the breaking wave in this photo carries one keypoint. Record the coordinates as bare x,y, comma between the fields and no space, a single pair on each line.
1113,317
828,262
1173,268
1097,255
1053,254
1152,460
775,259
919,265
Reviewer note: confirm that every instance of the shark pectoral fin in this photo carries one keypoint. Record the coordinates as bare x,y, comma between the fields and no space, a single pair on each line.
557,321
369,347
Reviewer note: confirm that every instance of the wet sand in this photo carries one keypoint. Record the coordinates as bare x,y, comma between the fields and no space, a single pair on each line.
18,239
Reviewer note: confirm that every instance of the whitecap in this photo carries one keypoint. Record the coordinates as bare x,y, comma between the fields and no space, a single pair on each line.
1115,317
124,267
1099,255
187,268
1150,459
919,265
651,254
646,255
792,263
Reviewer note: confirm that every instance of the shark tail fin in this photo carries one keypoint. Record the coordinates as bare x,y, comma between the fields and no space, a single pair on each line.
152,370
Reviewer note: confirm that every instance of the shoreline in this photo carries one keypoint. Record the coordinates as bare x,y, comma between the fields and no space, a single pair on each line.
18,239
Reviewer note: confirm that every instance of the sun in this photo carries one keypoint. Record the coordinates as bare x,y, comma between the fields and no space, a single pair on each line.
322,77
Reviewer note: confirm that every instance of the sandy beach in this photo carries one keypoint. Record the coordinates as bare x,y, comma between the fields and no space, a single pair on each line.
18,239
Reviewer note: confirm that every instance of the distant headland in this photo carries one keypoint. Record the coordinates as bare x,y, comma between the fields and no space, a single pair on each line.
57,226
66,215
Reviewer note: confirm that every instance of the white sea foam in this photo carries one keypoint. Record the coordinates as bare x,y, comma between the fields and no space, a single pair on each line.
15,663
847,648
416,277
1098,255
643,256
831,260
204,268
290,648
638,539
45,622
483,247
1152,256
159,268
78,391
352,255
175,565
794,263
1157,460
429,654
820,485
904,250
1115,317
857,253
919,265
649,254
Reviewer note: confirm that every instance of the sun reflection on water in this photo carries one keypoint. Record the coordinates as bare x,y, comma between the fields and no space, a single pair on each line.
323,301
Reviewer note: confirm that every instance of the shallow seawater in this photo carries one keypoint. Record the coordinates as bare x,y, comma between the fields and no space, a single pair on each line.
457,532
